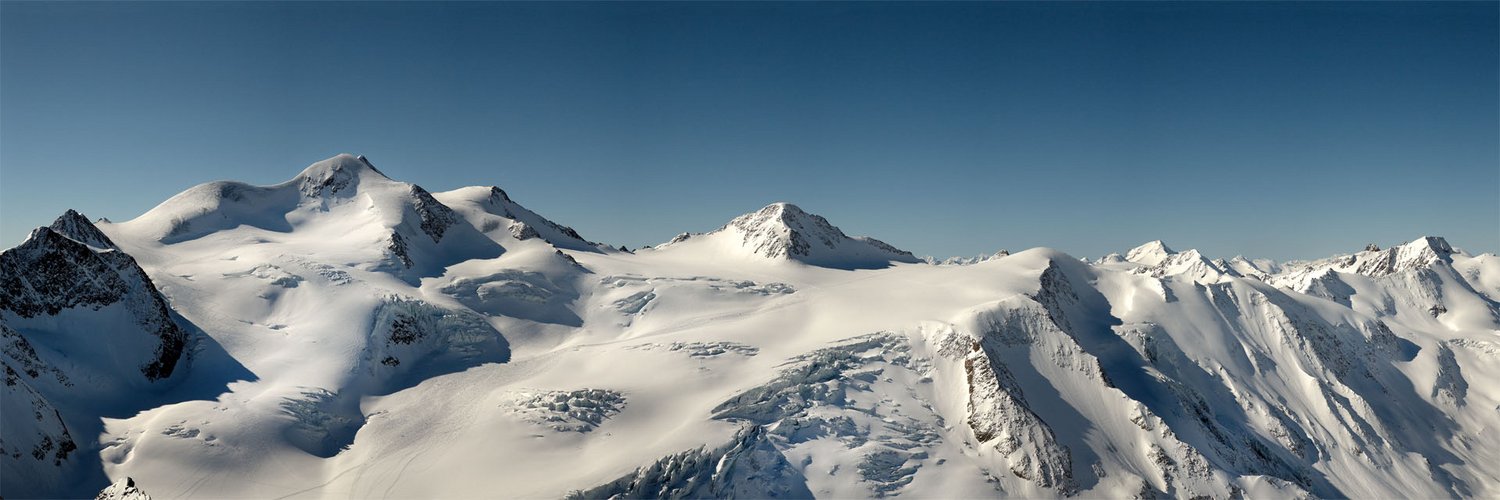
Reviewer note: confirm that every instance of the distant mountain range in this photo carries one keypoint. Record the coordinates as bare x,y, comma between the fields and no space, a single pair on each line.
346,334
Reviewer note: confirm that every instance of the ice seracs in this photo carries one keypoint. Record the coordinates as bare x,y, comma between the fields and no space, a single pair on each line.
363,337
784,232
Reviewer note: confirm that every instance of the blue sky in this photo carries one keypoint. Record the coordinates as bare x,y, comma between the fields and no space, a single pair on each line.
1282,130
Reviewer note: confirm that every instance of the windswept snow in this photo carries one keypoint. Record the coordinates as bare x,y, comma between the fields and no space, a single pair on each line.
344,334
782,231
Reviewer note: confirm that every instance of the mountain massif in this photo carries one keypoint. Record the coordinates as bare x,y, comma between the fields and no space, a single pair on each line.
344,334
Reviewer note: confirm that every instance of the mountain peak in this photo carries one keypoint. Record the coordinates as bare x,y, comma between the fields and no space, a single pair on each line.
785,215
489,209
786,209
336,174
498,195
1421,252
785,231
1151,253
74,225
1436,244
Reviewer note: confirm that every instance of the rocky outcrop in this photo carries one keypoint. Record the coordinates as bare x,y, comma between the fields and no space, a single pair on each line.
52,274
124,489
749,466
36,442
1000,418
1450,387
493,211
407,333
335,176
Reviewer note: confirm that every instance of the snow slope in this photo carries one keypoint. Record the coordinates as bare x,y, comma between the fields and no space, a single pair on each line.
83,332
782,231
492,352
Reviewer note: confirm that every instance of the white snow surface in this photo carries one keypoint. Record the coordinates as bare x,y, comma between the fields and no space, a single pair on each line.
359,337
784,232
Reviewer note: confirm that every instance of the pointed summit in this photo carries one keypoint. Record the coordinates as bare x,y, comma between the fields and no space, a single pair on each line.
62,272
495,214
124,489
335,175
1152,253
1416,254
1421,252
783,231
74,225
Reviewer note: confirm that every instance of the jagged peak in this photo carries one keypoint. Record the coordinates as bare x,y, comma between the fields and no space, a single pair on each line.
1150,253
782,230
74,225
335,175
1416,254
523,224
46,239
965,261
498,195
785,216
124,489
41,236
1421,252
1436,244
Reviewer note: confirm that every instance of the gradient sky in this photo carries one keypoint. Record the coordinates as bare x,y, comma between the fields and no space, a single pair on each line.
1274,130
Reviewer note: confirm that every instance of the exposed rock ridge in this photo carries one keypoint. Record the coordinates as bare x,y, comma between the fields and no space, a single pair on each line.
51,272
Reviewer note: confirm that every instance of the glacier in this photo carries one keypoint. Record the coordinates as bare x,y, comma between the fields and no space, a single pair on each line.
345,334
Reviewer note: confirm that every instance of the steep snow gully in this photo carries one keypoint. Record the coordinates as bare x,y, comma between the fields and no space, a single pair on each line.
345,334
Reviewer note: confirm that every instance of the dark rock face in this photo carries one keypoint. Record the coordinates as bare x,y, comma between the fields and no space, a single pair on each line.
74,225
398,249
52,272
35,441
436,217
45,438
19,355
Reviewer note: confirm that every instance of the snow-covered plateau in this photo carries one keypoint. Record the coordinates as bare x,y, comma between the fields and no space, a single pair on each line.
344,334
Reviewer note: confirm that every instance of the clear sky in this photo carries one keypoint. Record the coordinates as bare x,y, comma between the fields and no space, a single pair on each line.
1281,130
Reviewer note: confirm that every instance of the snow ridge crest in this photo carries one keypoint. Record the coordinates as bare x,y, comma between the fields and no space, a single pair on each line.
78,228
335,175
784,231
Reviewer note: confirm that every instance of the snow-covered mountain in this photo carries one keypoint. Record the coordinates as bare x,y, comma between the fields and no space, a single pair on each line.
82,327
345,334
782,231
